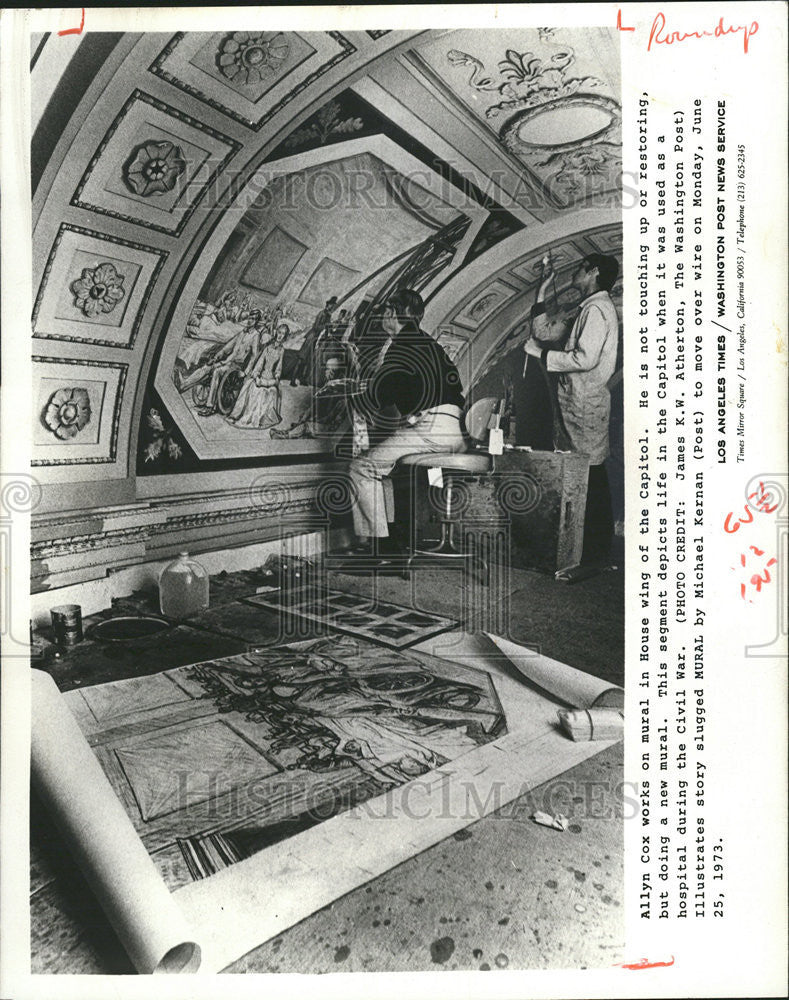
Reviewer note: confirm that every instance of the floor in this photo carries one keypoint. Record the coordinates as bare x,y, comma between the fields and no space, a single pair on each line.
502,893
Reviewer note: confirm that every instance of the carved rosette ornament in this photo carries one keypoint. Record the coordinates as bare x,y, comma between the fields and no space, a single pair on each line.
248,56
154,168
98,290
67,412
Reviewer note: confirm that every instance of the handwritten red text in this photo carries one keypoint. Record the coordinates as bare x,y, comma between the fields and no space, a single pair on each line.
659,36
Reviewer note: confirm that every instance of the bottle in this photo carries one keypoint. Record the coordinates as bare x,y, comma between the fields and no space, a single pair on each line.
183,588
495,433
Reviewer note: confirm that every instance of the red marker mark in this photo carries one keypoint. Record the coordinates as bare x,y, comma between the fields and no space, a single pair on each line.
75,31
757,580
644,964
658,25
761,501
619,22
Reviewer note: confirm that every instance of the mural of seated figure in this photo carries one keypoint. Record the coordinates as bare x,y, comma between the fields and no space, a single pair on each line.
259,402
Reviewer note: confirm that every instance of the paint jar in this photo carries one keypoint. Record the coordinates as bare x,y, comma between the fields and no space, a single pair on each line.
183,588
67,624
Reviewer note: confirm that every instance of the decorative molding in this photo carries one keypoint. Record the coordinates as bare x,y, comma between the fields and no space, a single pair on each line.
250,54
166,523
376,34
154,167
503,99
98,289
139,95
162,256
347,48
322,125
483,303
67,412
123,370
76,544
525,79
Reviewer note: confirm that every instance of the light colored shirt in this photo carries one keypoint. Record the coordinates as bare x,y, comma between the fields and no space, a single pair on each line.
586,364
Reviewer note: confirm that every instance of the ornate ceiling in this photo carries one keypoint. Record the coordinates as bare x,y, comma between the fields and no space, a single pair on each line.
155,159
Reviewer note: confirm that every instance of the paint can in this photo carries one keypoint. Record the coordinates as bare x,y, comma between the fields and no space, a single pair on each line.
67,624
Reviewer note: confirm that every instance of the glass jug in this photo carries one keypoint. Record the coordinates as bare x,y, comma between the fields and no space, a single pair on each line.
183,588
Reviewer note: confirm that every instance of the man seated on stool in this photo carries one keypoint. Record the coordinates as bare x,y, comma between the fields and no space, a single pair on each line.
585,365
413,378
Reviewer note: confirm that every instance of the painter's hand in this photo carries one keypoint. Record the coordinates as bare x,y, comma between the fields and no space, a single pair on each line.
548,276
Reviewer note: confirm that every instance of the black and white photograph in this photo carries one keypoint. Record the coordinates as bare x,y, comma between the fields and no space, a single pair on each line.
351,351
337,317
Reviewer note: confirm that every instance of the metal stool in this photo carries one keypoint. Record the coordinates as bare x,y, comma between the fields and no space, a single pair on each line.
469,462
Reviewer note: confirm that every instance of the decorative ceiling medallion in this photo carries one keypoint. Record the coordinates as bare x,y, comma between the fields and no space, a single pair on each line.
248,57
98,290
154,167
67,412
589,163
562,124
77,405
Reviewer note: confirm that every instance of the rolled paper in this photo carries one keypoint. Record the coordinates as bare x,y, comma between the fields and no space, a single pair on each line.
573,687
593,724
103,841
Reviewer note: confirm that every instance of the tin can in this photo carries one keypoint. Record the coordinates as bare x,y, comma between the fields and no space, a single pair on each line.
67,624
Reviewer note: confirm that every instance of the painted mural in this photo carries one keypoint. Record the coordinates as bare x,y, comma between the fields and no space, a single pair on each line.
271,340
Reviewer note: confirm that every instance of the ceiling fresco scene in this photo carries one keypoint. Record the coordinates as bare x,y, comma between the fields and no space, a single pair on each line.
333,232
201,199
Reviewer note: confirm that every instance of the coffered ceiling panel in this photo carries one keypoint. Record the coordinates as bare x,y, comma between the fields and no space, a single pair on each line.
249,75
150,209
94,288
76,411
153,165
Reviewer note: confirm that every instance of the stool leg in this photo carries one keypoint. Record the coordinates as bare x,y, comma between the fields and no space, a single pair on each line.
446,545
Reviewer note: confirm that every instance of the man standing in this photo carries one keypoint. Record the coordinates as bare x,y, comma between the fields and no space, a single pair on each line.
585,364
413,378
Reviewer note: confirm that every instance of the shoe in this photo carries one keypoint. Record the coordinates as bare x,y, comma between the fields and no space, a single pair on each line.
584,571
390,547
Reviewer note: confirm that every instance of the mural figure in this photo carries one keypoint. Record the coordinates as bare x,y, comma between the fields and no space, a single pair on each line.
259,402
304,371
328,411
235,354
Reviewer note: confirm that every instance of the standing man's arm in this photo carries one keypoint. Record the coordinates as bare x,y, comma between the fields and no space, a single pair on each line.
588,346
542,329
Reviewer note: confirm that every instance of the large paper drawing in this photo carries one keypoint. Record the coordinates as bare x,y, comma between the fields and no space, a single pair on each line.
217,761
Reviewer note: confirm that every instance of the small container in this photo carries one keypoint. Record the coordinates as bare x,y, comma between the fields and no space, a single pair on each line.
67,624
183,588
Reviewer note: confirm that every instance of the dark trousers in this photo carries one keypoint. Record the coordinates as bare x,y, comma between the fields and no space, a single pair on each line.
599,518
